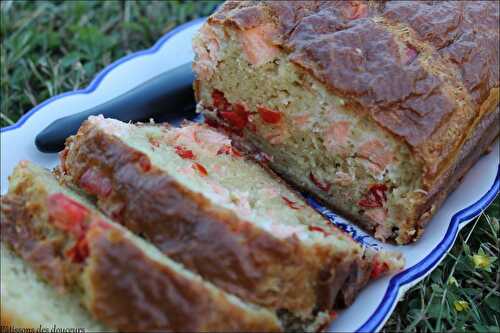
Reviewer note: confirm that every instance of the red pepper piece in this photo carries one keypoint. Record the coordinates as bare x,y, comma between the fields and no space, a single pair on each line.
67,214
378,269
379,191
322,186
220,101
333,315
234,119
290,203
144,163
237,117
228,150
318,229
375,198
225,149
369,203
201,169
80,251
240,109
95,182
184,153
269,116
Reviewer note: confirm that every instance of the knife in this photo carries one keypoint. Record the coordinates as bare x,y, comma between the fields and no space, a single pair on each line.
166,97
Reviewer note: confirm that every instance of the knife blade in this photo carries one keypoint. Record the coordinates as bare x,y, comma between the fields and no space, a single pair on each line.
167,97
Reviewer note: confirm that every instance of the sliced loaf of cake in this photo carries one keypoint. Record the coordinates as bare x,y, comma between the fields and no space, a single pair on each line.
124,282
221,214
358,102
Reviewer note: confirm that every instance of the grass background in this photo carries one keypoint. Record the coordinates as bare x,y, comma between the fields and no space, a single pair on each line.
51,47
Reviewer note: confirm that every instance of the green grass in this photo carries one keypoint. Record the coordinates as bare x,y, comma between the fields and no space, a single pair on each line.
462,293
51,47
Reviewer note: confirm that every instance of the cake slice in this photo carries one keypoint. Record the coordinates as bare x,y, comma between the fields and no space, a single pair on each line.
205,204
28,302
357,102
124,282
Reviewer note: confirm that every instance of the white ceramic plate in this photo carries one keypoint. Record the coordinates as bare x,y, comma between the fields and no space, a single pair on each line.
376,302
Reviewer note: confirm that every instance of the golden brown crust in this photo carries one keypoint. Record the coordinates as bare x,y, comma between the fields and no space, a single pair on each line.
126,285
463,32
244,260
22,234
470,152
423,83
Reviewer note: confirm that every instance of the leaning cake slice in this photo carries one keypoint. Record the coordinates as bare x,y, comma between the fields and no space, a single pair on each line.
224,216
124,282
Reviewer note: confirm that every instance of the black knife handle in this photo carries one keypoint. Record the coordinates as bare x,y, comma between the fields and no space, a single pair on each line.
166,97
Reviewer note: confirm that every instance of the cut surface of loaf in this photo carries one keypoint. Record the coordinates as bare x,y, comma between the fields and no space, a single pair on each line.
123,281
198,199
356,102
28,302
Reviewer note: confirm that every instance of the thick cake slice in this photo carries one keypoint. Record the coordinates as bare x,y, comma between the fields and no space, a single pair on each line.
203,203
124,282
357,102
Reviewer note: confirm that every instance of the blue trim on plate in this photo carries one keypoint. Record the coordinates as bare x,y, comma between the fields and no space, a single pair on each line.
397,281
102,74
429,262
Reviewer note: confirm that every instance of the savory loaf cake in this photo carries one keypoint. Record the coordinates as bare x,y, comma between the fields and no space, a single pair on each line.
378,108
203,203
125,283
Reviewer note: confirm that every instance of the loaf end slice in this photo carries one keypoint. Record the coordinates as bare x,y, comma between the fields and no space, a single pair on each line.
123,282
